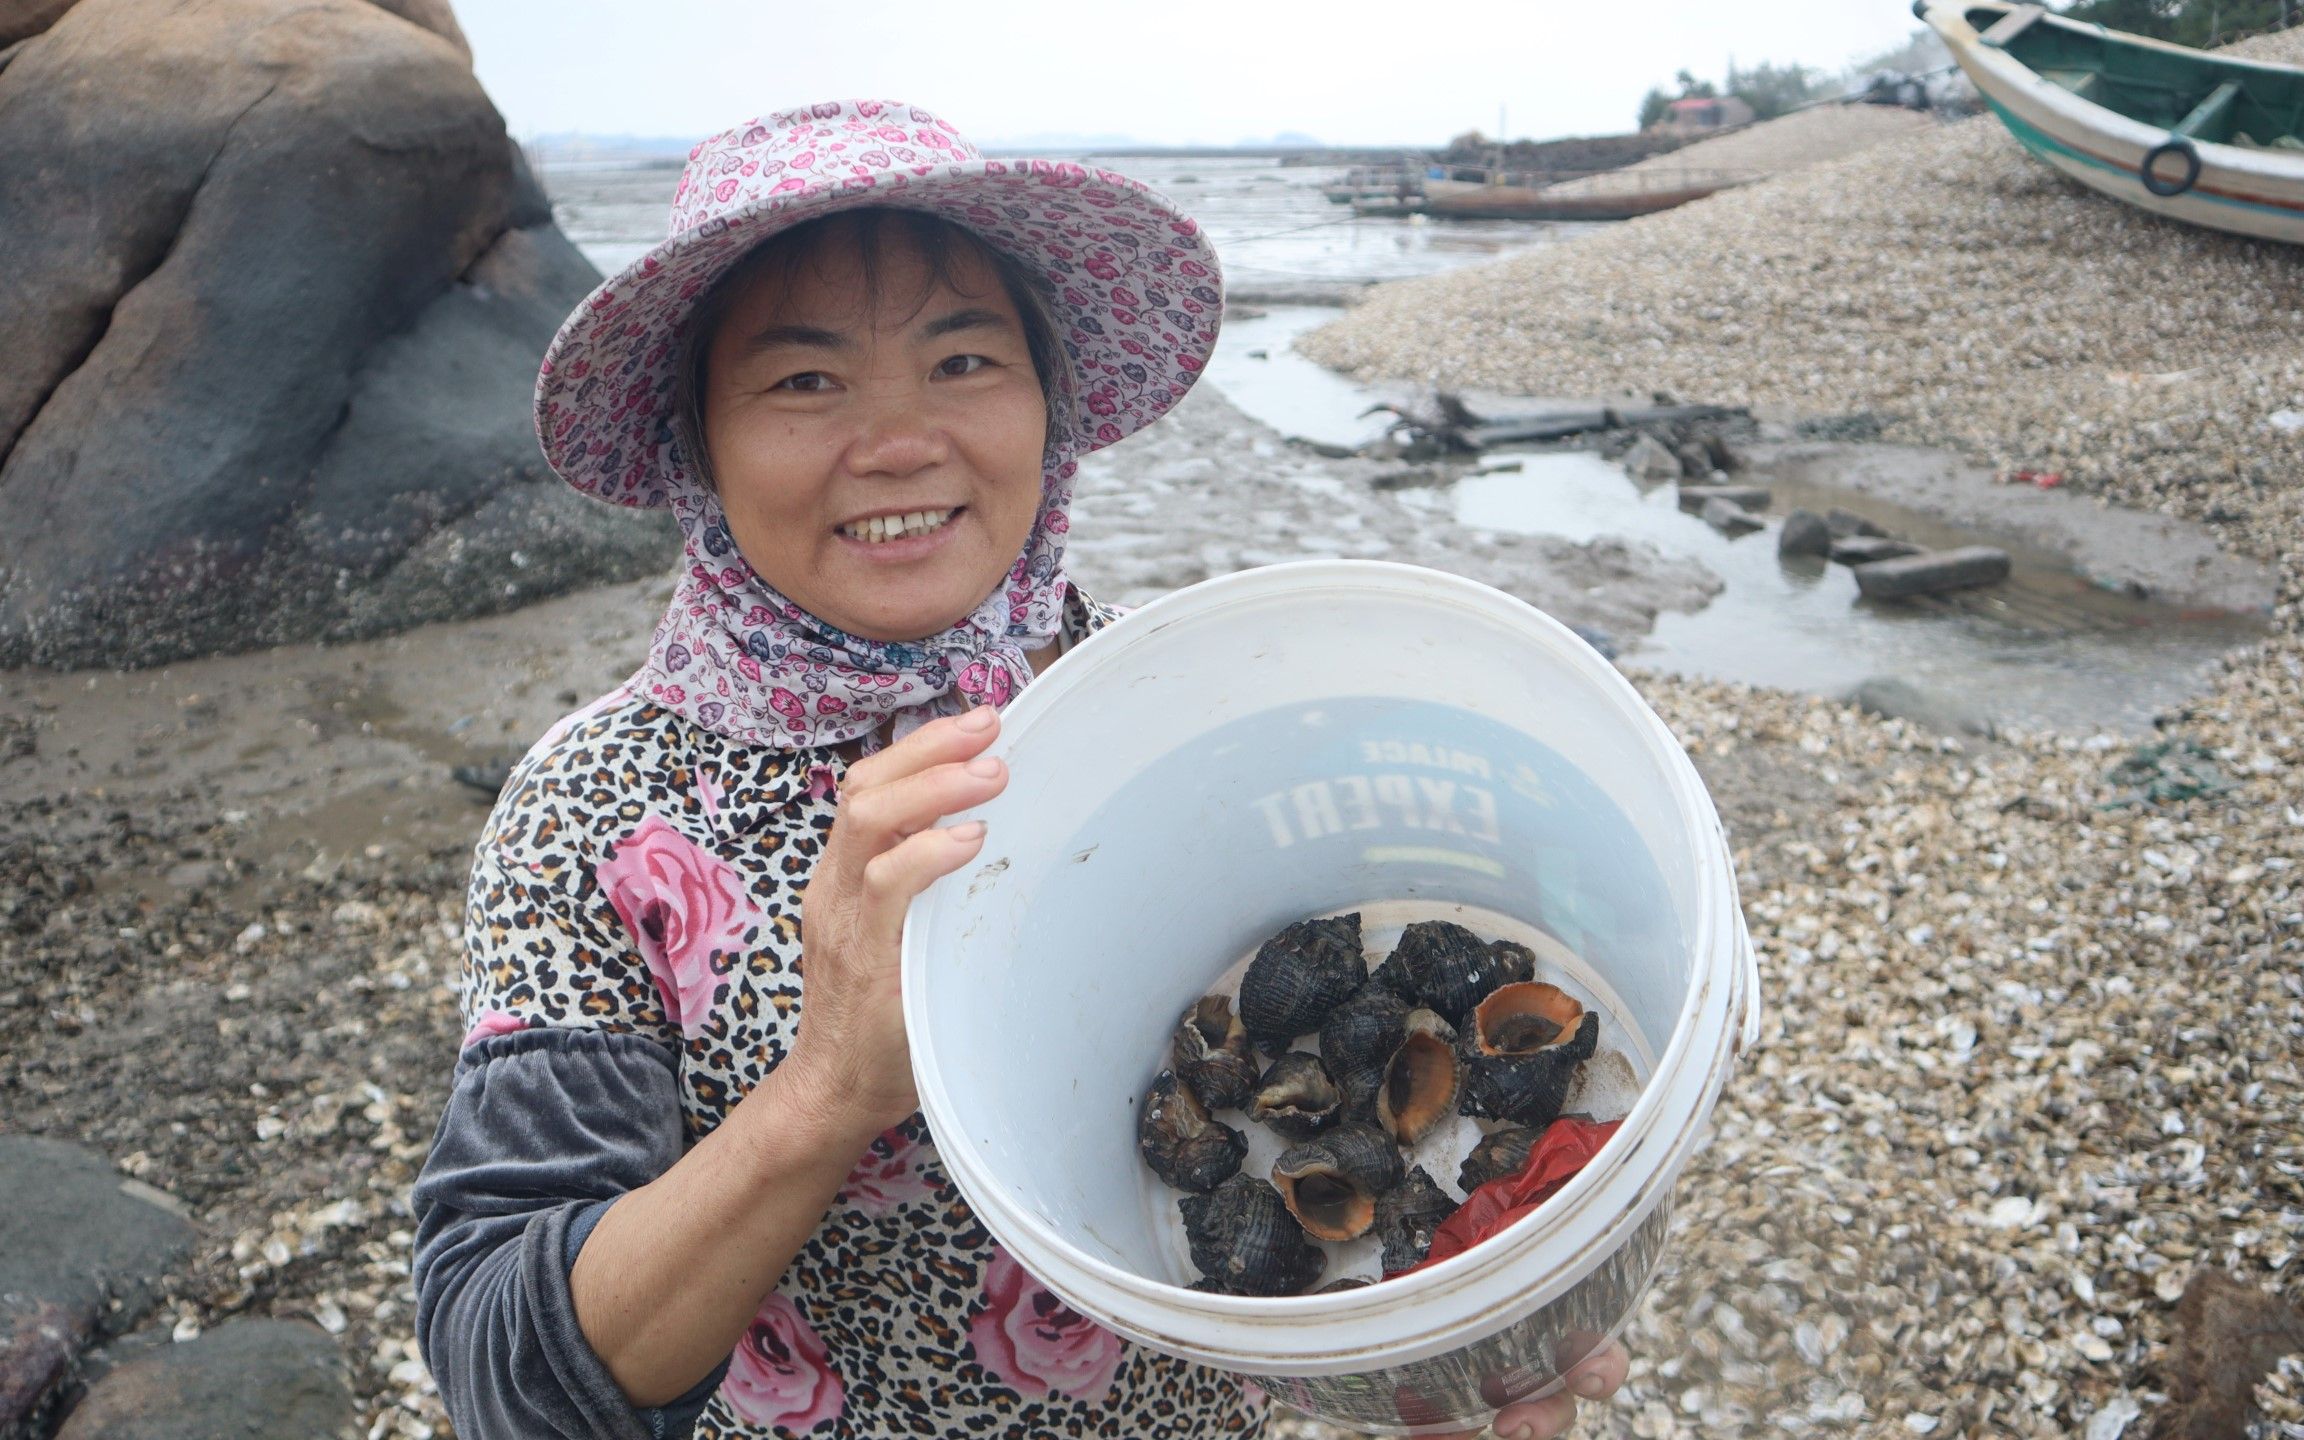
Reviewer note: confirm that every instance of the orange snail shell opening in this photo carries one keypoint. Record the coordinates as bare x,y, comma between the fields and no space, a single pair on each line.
1524,1018
1328,1206
1419,1088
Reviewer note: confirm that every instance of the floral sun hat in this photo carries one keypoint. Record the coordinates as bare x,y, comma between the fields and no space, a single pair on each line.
1133,285
1135,293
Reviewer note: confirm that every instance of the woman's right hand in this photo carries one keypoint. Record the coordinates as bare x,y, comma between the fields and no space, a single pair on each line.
885,848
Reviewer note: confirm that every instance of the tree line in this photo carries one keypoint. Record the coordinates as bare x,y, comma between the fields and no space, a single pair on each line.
2190,22
1772,89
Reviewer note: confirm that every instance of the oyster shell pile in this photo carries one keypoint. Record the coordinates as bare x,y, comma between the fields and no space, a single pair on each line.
1449,1030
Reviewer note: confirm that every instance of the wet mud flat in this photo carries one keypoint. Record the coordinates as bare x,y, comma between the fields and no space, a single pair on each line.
2109,617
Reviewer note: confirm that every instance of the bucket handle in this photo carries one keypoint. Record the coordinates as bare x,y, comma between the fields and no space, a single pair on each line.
1749,1035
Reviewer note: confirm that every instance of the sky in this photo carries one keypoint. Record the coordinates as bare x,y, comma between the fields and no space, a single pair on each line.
1184,72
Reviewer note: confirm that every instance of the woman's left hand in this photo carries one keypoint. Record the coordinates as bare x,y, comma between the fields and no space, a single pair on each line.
1594,1378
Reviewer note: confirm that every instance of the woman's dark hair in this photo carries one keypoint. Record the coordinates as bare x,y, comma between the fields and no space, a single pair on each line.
866,233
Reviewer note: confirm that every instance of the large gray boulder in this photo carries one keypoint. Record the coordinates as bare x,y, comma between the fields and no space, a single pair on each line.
278,283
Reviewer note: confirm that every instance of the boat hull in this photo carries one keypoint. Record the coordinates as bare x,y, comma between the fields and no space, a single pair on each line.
1463,200
1514,203
2240,190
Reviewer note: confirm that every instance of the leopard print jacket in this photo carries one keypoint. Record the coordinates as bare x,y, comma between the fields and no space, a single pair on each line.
640,880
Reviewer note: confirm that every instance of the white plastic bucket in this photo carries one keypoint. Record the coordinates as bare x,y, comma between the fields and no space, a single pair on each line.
1291,741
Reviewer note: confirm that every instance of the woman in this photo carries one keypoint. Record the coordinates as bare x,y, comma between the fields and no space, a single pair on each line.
658,1203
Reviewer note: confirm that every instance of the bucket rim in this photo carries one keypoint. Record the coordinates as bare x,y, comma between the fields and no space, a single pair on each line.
1718,989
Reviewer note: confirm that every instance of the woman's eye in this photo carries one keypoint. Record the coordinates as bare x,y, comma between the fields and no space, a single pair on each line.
962,365
807,382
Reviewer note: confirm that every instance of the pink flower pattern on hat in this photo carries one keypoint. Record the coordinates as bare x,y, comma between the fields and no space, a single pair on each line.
1135,291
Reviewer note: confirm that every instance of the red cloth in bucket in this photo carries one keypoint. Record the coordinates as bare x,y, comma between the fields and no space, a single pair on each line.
1566,1147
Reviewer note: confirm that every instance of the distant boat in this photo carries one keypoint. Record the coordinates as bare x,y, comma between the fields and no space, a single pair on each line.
2169,129
1471,192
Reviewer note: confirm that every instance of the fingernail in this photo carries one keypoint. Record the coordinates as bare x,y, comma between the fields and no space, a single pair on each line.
986,766
1590,1386
978,719
968,830
1519,1432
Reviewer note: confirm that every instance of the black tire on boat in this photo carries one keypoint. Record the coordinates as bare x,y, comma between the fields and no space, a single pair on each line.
2173,145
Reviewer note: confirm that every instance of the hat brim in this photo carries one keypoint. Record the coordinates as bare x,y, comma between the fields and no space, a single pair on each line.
1133,286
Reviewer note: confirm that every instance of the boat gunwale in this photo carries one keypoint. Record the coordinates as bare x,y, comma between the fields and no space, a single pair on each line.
1967,48
1959,9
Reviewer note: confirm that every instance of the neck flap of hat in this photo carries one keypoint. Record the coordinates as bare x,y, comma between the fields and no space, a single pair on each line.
734,656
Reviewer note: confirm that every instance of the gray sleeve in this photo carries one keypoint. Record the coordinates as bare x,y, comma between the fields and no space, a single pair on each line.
544,1129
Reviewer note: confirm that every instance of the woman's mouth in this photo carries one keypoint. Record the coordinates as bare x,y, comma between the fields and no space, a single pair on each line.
882,529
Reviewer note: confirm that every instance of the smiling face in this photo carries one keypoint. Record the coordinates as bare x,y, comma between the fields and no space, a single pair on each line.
875,427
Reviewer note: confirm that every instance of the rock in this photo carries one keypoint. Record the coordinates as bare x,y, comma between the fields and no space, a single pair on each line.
23,19
1729,518
1864,549
1649,460
1932,572
250,1379
1895,699
1847,522
487,777
1744,497
1724,455
1415,478
272,332
82,1253
1598,639
2227,1337
1805,533
1695,460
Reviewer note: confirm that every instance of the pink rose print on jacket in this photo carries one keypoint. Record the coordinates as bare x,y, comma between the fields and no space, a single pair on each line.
1033,1342
891,1174
781,1374
682,905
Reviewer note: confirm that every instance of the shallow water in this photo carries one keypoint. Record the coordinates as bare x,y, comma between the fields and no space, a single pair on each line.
1270,222
2048,648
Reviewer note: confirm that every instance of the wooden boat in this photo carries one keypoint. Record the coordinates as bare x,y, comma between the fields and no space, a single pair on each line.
1471,192
2169,129
1471,200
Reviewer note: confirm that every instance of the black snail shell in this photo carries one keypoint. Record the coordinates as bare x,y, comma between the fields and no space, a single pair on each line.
1298,976
1296,1097
1499,1153
1406,1217
1182,1145
1418,1087
1521,1049
1331,1182
1357,1041
1211,1054
1446,968
1246,1243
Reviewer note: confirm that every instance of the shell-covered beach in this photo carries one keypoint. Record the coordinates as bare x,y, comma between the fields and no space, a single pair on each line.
2034,1003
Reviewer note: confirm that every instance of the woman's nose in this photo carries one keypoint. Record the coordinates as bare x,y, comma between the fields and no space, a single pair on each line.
897,435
